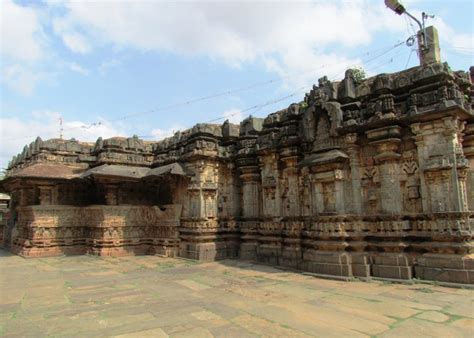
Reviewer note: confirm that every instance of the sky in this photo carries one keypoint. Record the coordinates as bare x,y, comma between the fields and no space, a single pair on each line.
150,68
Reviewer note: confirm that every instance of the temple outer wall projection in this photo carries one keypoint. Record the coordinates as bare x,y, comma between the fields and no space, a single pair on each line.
369,178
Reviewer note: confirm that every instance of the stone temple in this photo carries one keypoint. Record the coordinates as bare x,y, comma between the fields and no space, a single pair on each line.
368,178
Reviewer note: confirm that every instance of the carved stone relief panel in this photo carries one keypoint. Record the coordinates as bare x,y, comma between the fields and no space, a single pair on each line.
370,186
270,189
250,199
410,182
329,197
304,188
439,191
210,205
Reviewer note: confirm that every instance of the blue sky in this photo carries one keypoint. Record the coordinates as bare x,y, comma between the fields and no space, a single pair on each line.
112,68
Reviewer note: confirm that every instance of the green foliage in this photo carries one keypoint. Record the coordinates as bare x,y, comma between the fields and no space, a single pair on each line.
359,74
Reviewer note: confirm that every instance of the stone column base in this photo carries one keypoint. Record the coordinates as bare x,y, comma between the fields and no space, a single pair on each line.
360,263
123,250
248,251
391,265
291,257
446,268
327,263
49,251
210,251
269,254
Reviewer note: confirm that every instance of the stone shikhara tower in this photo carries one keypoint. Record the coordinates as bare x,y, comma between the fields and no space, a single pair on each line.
361,179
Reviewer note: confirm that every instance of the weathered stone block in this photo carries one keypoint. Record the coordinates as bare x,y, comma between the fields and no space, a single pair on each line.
327,257
391,259
393,272
445,275
361,270
328,269
446,261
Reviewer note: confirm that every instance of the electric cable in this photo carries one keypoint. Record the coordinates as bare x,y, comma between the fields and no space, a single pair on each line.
223,93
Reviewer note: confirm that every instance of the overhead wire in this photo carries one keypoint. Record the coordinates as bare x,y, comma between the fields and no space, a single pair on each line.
409,58
459,54
170,107
280,99
228,92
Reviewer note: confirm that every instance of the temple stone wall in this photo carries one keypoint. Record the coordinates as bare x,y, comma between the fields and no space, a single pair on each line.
4,216
102,230
364,178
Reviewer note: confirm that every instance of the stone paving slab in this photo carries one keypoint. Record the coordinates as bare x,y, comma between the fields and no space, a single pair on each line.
150,296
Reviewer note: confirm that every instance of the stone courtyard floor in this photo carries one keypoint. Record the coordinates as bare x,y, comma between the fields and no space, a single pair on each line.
150,296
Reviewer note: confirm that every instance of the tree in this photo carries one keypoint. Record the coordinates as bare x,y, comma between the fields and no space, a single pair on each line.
359,75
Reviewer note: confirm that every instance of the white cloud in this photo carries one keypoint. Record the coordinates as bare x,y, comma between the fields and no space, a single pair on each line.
16,133
21,79
22,47
90,132
22,37
75,67
71,38
106,65
303,68
450,37
233,115
288,37
291,35
76,43
159,134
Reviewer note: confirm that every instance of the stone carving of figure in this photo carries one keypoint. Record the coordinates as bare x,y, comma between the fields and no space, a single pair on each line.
413,185
293,109
335,113
309,125
328,89
350,117
322,81
322,132
349,85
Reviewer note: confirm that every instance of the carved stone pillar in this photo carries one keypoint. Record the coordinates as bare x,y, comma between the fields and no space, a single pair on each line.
441,158
288,248
468,148
452,134
305,187
46,195
198,198
229,194
250,177
250,191
353,150
339,191
317,195
387,141
389,261
291,198
444,182
200,226
420,144
111,194
25,197
270,189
